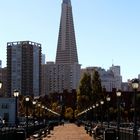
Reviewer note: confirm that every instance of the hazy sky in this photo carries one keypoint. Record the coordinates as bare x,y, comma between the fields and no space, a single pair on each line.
107,31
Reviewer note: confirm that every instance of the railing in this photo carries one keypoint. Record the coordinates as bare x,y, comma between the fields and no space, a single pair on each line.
21,133
7,132
124,133
127,134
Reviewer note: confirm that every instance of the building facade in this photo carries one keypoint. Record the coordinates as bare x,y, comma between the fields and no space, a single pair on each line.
7,109
24,67
57,78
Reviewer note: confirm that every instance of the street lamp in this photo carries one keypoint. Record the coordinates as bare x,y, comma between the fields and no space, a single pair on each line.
16,94
39,105
27,99
135,85
97,104
34,103
46,114
101,102
43,107
62,107
118,93
0,84
93,107
108,100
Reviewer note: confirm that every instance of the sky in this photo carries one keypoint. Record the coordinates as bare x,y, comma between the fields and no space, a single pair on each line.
107,31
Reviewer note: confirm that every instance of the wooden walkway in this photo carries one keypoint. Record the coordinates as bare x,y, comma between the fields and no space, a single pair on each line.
68,132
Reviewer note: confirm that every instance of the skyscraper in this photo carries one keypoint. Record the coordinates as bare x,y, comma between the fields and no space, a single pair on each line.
66,55
66,47
24,67
64,74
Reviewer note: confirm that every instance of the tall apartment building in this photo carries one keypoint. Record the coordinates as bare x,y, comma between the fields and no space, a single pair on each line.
64,74
24,67
109,78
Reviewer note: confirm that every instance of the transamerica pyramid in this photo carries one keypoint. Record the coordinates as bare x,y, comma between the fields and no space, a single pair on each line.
66,47
64,74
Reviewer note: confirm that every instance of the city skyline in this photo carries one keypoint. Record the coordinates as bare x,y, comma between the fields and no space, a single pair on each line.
107,32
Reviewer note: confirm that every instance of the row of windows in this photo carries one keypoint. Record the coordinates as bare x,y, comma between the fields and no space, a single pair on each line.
4,106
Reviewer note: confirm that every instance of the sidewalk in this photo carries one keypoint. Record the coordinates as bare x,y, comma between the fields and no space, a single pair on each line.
68,132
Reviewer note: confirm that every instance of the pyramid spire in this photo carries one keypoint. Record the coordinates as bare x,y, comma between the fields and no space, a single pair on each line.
66,47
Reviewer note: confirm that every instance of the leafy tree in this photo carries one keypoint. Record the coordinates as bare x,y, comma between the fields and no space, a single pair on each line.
69,113
96,87
84,92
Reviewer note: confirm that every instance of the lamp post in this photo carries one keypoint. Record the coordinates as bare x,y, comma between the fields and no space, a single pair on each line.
93,107
97,112
108,100
46,115
62,107
39,105
118,93
43,107
34,103
27,99
135,85
101,102
16,94
0,84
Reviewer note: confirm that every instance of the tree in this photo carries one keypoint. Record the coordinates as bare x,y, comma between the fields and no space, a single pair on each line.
96,87
69,113
84,92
